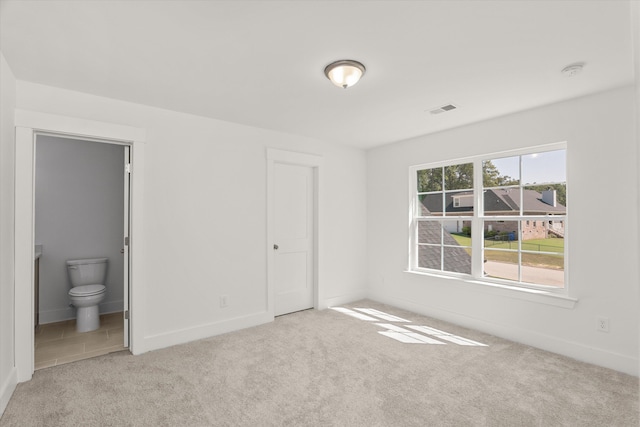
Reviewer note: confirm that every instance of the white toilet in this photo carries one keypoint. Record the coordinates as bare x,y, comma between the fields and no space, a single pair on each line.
87,278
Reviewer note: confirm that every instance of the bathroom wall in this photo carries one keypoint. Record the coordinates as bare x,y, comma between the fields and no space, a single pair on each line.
79,214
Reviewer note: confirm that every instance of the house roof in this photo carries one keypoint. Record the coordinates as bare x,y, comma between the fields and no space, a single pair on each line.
496,201
457,259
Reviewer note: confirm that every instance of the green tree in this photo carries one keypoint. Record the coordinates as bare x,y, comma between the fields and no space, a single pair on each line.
456,177
491,176
430,180
460,177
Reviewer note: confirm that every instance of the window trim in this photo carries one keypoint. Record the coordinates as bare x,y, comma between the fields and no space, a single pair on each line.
477,274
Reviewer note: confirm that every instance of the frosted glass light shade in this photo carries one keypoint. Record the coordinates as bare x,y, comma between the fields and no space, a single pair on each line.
344,73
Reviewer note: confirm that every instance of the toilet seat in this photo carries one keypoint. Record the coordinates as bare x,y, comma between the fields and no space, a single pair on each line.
86,290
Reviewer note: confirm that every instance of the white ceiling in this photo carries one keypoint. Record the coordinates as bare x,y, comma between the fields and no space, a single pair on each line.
261,63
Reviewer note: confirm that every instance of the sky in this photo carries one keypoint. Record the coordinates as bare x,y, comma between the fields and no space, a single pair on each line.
545,167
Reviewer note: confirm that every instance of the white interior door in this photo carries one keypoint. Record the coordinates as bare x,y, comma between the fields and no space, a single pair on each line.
293,211
125,243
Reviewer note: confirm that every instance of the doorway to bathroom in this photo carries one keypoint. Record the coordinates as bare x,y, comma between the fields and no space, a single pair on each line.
81,211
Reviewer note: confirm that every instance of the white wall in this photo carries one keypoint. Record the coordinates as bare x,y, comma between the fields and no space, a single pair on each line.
603,249
7,105
205,210
79,204
635,25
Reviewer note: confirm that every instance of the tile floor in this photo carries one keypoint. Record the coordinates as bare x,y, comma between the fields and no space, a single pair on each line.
59,343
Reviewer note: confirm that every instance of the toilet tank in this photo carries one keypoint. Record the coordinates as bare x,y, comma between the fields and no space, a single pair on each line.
91,271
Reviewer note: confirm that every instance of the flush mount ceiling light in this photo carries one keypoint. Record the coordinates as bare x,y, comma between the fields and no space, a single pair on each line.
344,73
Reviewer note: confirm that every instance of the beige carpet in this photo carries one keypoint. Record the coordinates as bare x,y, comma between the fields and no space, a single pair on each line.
331,369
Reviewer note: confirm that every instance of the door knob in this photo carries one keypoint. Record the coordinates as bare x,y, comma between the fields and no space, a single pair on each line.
275,247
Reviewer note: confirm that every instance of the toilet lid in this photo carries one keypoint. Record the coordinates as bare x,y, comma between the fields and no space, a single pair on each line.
86,290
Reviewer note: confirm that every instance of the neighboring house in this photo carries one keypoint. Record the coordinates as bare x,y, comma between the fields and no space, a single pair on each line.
501,202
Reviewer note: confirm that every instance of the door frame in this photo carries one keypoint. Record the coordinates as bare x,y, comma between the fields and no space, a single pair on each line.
316,163
28,125
126,264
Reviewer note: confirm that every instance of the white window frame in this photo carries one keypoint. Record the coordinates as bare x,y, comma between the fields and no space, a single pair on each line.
477,220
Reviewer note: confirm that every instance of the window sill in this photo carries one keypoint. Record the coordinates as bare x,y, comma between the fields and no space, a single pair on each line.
534,295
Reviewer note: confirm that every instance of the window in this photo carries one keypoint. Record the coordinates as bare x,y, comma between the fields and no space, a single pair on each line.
498,218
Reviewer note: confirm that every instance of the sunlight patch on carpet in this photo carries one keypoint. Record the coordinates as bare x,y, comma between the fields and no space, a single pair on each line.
409,337
414,335
382,315
391,327
446,336
354,314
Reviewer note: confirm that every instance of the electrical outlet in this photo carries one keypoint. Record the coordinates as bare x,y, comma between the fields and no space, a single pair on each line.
224,301
602,324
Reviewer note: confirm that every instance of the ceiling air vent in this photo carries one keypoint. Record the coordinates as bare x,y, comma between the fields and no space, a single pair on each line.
443,109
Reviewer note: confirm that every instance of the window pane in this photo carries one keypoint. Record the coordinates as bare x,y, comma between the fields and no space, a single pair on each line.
501,264
546,167
543,269
501,234
429,232
429,257
545,199
430,204
459,177
502,201
554,245
459,203
555,229
501,172
501,249
457,259
429,180
459,232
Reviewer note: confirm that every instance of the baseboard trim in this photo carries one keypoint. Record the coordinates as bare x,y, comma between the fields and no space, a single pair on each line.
574,350
59,315
181,336
342,299
68,313
111,307
8,387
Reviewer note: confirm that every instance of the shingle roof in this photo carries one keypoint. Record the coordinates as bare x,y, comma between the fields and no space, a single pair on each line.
532,201
456,258
495,201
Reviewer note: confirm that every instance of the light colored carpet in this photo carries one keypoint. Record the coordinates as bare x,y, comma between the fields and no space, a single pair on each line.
327,368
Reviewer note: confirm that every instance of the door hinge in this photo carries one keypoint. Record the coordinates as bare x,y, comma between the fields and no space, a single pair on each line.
126,241
126,315
127,168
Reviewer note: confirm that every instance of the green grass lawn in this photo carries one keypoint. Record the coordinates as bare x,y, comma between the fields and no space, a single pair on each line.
534,245
462,240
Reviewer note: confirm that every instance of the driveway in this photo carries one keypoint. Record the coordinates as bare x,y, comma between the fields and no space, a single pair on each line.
542,276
